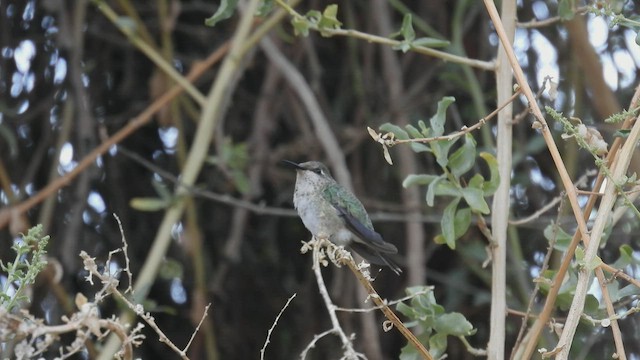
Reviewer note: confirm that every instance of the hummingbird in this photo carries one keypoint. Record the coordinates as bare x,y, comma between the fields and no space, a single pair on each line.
329,210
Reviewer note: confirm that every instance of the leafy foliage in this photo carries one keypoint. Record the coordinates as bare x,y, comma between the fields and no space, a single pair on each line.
451,182
436,324
316,20
29,262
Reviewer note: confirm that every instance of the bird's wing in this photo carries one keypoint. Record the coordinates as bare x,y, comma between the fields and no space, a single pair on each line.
369,236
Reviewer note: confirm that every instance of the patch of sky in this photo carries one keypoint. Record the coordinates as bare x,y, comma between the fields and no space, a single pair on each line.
23,55
547,57
66,162
178,292
598,32
60,72
540,10
96,201
169,137
29,11
634,48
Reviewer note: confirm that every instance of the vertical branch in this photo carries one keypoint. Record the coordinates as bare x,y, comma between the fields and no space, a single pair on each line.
500,212
85,132
564,345
585,273
214,108
318,259
540,122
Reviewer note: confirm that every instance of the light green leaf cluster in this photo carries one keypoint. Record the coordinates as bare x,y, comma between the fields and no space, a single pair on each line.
560,240
425,313
451,183
316,20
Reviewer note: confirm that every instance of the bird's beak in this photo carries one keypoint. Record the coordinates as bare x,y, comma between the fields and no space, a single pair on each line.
293,164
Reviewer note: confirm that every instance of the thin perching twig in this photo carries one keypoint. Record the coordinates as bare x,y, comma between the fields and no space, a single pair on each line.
275,322
322,248
319,257
427,290
454,135
388,313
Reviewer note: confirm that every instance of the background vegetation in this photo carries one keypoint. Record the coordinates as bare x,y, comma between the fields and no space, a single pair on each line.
92,123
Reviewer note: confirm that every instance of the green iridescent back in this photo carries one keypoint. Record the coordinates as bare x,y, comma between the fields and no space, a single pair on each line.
337,195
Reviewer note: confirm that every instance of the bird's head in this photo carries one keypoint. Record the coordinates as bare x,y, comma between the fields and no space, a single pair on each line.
311,171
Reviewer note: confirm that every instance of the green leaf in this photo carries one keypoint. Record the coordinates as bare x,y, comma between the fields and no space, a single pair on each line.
437,121
562,239
234,157
426,132
437,345
162,190
564,301
565,9
407,28
613,290
626,257
447,188
149,204
225,10
474,197
418,147
454,324
439,239
331,12
476,181
415,133
241,181
409,352
448,223
440,186
431,190
463,159
462,222
405,309
399,132
491,186
441,151
264,8
418,179
629,290
300,26
430,42
591,304
328,20
423,290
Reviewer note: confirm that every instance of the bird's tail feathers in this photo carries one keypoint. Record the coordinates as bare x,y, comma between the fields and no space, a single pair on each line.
375,257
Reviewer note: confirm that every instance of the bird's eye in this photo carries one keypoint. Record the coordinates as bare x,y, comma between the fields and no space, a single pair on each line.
317,171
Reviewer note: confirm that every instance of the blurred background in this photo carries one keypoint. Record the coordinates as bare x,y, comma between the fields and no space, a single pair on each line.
70,79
